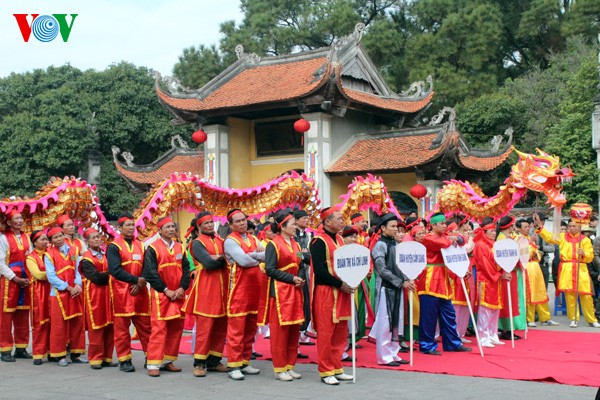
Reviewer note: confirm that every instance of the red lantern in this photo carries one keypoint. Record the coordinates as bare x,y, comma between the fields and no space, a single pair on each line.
418,191
301,126
199,136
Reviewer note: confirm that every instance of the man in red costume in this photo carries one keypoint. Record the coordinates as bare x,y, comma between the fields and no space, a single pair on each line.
66,303
167,270
207,301
98,312
243,253
435,293
331,300
68,227
131,301
14,247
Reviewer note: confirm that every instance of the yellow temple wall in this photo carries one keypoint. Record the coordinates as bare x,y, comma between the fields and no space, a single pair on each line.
240,153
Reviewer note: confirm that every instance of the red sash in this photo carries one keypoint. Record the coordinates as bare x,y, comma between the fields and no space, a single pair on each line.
288,298
40,293
97,297
14,297
64,265
170,271
208,296
342,301
124,304
244,283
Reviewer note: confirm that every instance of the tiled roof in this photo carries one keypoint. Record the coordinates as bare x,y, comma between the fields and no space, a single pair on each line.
391,153
191,162
386,103
256,85
484,163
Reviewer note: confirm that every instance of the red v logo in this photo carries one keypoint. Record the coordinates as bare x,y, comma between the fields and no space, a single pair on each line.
24,25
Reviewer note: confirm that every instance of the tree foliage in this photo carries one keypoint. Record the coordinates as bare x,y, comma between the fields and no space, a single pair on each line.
50,120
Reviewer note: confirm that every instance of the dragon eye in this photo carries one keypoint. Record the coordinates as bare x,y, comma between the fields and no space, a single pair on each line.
543,164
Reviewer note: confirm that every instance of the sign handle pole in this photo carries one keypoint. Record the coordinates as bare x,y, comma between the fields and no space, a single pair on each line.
510,314
462,282
410,326
524,272
353,323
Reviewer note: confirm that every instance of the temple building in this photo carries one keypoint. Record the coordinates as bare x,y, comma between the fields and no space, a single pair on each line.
358,125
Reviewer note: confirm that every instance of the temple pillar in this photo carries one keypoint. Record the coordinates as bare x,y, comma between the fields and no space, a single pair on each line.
428,202
216,154
317,153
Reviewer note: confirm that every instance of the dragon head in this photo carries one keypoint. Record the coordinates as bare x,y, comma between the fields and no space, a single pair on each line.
542,173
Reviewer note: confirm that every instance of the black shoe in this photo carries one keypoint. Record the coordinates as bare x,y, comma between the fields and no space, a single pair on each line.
358,346
96,366
257,355
37,361
7,357
347,358
391,364
78,360
303,356
22,353
146,363
505,335
433,353
461,349
127,366
109,364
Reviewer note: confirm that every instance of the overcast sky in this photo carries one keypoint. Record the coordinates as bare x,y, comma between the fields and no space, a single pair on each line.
149,33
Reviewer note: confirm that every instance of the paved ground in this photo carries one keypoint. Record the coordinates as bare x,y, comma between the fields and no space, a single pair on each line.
22,380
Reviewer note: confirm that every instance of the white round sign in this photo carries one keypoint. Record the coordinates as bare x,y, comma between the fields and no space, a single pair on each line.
506,254
411,258
351,263
456,259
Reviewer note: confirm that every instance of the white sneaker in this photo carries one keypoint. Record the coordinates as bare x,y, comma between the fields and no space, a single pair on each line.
250,370
283,376
595,324
464,340
294,374
550,323
330,380
497,342
344,377
236,375
488,345
532,324
573,324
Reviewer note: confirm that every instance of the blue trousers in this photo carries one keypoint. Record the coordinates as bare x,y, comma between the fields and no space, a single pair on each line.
432,309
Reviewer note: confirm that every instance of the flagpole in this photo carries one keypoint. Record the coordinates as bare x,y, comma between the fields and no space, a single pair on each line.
462,282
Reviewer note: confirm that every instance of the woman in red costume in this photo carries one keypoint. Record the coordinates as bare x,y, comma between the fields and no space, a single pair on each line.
284,308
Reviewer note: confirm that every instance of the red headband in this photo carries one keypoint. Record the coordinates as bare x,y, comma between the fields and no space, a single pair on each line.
54,231
88,232
416,229
11,214
509,224
287,218
357,219
163,222
122,220
451,227
37,236
325,214
231,212
205,218
489,226
62,219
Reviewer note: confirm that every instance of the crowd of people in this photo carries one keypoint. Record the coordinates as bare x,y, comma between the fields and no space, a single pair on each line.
234,283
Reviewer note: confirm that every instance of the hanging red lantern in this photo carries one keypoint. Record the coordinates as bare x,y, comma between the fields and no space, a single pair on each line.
418,191
301,126
199,136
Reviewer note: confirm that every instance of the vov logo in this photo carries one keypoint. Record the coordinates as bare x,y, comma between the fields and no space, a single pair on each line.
45,28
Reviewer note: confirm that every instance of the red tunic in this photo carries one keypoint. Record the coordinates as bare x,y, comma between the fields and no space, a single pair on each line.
13,296
341,301
488,274
288,298
124,304
435,279
64,265
244,282
97,297
75,242
40,293
208,296
170,270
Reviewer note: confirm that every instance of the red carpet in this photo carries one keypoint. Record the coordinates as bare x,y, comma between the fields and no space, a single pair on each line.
556,357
